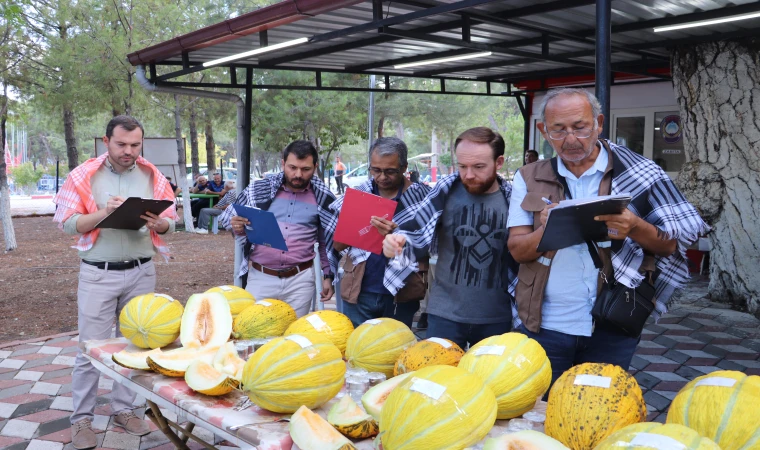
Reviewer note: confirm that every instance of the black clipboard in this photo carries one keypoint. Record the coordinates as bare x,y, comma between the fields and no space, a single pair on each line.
264,229
572,221
127,215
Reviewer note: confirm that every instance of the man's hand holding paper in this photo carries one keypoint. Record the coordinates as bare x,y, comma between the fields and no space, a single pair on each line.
620,226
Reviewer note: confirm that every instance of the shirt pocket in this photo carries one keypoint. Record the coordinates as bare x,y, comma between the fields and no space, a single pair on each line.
533,201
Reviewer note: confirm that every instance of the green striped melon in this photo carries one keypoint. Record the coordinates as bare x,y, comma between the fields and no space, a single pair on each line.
151,320
723,406
266,318
376,345
291,371
437,407
516,369
656,436
237,297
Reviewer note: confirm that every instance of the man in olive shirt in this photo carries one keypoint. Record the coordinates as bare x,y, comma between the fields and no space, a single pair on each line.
116,266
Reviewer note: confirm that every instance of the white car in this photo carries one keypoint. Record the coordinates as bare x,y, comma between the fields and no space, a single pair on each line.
357,176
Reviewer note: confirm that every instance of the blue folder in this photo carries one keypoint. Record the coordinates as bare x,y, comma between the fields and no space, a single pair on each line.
263,229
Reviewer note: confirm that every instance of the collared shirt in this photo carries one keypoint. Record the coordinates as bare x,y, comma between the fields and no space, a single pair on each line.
298,217
215,187
571,289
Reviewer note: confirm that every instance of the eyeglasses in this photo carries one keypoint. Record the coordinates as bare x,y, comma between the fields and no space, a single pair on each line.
580,133
387,172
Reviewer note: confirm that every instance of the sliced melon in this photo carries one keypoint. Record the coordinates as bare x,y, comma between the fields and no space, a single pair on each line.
374,399
205,379
524,440
174,363
348,418
206,322
134,360
228,362
309,431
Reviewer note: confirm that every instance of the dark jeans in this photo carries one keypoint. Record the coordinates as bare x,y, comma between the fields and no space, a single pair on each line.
605,345
463,333
339,183
372,306
197,204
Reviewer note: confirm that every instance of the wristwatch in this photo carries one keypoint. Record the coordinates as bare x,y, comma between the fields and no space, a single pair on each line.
330,276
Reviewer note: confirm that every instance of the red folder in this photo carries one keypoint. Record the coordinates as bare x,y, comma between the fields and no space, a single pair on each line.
354,227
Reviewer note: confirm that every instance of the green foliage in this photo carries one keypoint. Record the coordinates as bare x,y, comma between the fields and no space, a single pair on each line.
24,175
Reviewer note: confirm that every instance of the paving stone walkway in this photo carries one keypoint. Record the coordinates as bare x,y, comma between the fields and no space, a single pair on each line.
696,337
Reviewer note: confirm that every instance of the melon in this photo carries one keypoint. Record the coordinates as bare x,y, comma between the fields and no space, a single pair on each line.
591,401
374,399
203,378
348,418
722,406
151,320
237,297
294,370
430,352
376,345
656,436
227,361
206,322
134,360
310,431
174,363
524,440
265,318
438,407
331,324
516,369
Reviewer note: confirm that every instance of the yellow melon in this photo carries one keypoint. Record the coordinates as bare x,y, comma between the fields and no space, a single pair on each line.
438,407
134,360
656,436
294,370
237,297
523,440
591,401
723,406
205,379
374,399
227,361
206,321
376,344
430,352
331,324
309,431
174,363
151,320
265,318
348,418
516,369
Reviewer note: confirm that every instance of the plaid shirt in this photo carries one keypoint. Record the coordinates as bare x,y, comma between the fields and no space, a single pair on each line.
261,193
227,200
75,197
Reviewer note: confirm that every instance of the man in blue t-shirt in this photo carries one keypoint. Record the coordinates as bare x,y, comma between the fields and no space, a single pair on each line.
214,187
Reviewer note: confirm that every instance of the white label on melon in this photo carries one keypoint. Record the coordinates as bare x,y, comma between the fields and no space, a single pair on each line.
300,340
225,288
593,380
497,350
164,296
429,388
373,321
656,441
716,381
316,322
442,342
263,303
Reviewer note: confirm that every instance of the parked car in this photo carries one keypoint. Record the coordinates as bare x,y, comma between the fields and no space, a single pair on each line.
357,176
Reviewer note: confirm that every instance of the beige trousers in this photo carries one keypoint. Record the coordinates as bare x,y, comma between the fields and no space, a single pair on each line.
298,291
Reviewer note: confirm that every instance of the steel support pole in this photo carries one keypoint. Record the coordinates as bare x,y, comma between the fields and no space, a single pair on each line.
244,161
371,115
604,59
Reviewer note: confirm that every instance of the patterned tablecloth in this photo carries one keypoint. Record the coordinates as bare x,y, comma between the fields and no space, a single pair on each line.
215,414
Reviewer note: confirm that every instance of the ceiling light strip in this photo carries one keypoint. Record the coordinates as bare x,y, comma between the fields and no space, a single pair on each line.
257,51
442,60
703,23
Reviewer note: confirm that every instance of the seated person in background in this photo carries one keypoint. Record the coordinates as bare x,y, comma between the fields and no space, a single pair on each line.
174,187
200,187
205,215
215,187
531,156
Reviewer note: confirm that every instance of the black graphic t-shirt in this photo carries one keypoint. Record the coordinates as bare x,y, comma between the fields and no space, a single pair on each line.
472,247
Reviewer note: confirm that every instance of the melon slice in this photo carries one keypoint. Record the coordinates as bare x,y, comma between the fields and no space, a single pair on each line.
374,399
134,360
174,363
524,440
309,431
348,418
206,322
205,379
228,362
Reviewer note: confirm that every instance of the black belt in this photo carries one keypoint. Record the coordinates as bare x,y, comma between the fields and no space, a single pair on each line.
121,265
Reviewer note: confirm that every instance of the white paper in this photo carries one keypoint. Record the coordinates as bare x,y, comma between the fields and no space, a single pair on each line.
225,288
373,321
429,388
656,441
442,342
593,380
164,296
497,350
300,340
316,322
263,303
716,381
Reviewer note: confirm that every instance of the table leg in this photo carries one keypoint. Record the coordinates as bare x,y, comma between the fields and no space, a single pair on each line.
188,431
156,417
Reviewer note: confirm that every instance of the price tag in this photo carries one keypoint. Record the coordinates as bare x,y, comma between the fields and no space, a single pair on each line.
497,350
429,388
316,322
656,441
442,342
373,321
263,303
716,381
226,288
593,380
164,296
300,340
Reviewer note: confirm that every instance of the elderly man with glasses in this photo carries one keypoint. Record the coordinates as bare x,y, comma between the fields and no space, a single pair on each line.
557,290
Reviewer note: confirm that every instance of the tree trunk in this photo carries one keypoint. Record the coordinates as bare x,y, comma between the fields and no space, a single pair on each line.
187,214
70,137
400,130
380,126
9,234
194,142
717,85
210,147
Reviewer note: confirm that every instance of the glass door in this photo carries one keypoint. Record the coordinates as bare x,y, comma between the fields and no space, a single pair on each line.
630,131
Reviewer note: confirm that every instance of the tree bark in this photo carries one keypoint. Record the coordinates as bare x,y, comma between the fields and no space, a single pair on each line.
380,126
9,234
187,214
210,147
194,142
717,85
70,136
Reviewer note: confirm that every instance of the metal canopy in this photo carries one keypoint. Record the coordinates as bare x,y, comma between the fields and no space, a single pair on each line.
534,41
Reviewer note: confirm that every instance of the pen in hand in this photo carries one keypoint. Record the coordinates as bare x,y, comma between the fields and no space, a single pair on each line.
546,200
